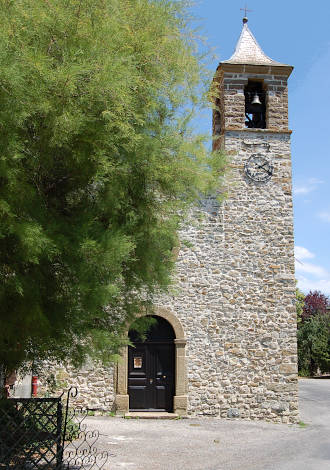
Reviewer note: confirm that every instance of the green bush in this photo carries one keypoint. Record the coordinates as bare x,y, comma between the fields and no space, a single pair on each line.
314,345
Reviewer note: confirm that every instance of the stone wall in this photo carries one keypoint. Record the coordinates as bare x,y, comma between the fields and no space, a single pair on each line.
277,103
232,101
95,384
237,291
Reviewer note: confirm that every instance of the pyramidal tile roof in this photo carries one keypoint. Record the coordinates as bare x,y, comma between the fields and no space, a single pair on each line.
248,50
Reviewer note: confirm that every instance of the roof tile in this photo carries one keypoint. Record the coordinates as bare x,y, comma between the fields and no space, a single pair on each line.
249,52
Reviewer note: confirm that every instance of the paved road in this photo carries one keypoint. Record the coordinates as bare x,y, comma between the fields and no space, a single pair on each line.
215,444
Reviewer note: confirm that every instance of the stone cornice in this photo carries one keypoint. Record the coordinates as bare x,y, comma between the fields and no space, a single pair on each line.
256,69
261,131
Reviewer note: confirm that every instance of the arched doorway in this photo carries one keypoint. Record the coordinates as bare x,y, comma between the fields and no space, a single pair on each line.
180,401
151,367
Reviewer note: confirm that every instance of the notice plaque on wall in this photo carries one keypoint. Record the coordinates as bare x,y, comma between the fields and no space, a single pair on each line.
138,362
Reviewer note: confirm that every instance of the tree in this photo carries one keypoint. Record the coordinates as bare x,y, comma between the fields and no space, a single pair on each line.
313,333
97,162
314,345
315,303
300,298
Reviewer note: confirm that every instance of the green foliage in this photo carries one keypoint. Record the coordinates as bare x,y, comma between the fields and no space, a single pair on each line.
301,424
313,333
314,345
97,159
300,297
72,429
142,325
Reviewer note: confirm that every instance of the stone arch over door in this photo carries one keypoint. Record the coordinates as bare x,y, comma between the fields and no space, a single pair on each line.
180,398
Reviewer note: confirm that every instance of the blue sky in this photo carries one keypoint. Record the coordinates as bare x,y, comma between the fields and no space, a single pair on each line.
296,33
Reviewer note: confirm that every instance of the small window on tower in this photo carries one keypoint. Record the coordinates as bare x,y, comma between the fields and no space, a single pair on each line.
255,105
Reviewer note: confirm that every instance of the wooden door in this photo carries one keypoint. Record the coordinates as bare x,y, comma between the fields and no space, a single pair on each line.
151,376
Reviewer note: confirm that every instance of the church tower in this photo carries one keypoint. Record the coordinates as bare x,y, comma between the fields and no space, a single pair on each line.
233,314
250,122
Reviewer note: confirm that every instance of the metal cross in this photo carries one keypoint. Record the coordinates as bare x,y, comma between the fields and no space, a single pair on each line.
245,9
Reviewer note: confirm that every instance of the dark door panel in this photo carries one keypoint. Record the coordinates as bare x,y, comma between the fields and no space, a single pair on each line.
151,376
164,375
138,366
161,401
138,397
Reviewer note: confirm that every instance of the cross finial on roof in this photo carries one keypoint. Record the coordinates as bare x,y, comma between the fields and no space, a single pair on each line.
245,9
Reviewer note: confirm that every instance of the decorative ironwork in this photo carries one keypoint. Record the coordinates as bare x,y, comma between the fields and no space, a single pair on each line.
36,434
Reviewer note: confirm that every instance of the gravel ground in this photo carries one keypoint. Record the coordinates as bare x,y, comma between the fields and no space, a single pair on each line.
216,444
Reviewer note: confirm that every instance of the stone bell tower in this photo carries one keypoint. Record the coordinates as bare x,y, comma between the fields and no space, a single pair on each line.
250,122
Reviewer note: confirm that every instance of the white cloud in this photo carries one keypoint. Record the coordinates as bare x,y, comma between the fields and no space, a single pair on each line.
307,285
302,189
302,253
325,216
310,268
318,278
315,181
308,187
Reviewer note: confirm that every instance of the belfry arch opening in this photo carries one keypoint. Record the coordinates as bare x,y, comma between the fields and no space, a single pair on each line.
255,105
151,365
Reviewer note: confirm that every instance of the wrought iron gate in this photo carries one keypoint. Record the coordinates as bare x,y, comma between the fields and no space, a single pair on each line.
37,433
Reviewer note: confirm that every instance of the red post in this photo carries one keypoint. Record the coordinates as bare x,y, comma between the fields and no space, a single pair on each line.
34,385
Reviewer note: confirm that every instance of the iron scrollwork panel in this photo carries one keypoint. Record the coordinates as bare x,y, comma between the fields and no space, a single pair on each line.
36,433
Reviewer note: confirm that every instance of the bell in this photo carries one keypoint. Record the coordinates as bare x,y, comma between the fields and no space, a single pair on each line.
256,99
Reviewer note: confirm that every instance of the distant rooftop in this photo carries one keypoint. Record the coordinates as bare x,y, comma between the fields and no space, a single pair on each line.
248,50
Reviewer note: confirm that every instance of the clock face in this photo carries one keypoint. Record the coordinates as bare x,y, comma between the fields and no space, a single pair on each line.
258,168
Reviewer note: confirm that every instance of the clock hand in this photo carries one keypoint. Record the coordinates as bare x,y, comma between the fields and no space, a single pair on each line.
263,167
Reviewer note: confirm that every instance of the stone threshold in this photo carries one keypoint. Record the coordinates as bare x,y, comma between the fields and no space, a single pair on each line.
150,415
